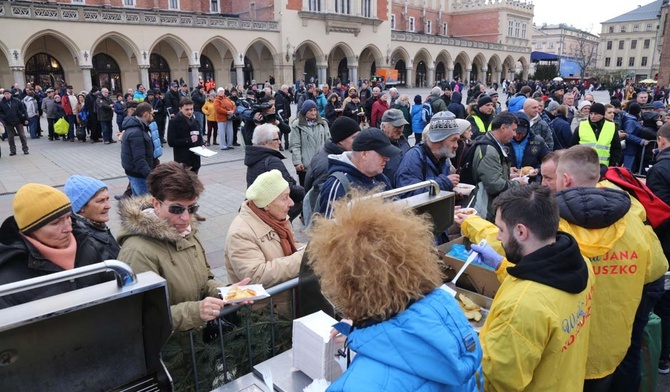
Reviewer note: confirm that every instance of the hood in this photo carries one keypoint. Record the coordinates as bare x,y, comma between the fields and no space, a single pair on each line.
302,121
418,333
456,97
594,216
333,148
255,154
649,119
11,242
559,265
516,99
136,222
132,122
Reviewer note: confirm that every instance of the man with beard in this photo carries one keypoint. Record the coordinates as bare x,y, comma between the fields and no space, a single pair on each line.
626,255
526,339
430,160
481,116
599,134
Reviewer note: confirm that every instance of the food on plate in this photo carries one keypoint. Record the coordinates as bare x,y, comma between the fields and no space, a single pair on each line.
528,171
463,189
465,211
471,310
235,292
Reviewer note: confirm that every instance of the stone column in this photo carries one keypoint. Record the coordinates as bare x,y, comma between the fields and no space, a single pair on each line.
239,72
450,74
194,75
19,76
431,77
466,77
497,76
86,78
482,78
321,72
356,8
524,75
353,74
409,77
144,76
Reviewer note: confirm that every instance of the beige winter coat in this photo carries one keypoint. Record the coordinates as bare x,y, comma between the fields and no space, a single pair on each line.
148,243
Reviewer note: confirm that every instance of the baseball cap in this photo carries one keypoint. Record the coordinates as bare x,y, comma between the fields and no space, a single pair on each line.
395,117
524,123
658,105
174,84
373,139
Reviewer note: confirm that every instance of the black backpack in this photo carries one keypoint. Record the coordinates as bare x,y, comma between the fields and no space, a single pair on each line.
467,175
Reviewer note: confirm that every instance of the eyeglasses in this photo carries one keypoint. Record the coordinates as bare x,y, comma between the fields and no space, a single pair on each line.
176,209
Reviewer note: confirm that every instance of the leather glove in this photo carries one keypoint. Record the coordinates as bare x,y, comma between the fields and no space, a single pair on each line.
487,255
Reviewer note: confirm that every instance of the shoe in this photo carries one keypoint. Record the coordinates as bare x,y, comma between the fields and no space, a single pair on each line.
200,218
26,153
112,141
163,141
71,140
664,366
11,154
51,139
56,138
216,144
207,144
229,148
236,144
3,137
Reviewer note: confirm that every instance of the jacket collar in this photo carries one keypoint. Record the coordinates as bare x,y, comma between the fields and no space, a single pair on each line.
663,155
136,222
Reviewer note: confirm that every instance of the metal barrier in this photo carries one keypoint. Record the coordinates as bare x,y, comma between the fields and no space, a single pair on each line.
229,310
644,148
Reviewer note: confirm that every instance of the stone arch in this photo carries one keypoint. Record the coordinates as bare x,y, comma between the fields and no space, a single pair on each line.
131,50
261,54
340,57
6,78
177,55
125,53
443,63
48,33
525,65
222,54
478,66
423,66
58,46
179,46
307,55
508,67
369,60
400,62
494,68
461,65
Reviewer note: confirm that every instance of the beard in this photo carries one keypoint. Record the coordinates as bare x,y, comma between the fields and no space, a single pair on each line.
445,152
513,250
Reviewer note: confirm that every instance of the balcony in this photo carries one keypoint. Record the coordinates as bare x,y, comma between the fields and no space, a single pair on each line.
450,41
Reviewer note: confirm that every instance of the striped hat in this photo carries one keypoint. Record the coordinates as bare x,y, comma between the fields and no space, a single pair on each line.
35,205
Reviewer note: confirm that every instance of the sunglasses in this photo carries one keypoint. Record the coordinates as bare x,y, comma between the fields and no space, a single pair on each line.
178,210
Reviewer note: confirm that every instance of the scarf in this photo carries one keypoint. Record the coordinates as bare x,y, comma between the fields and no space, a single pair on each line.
282,228
63,258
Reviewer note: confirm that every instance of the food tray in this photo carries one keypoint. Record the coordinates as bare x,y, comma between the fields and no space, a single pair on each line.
258,288
483,302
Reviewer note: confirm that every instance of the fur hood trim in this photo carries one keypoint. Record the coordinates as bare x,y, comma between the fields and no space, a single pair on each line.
136,222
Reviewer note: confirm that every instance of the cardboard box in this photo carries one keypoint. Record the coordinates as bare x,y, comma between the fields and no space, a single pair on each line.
474,278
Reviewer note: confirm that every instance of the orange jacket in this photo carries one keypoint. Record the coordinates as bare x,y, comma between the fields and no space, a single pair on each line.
222,105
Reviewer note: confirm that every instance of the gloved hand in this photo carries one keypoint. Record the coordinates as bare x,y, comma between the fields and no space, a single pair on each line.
487,255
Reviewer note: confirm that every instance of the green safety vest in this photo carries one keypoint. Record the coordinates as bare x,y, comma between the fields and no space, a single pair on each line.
602,146
480,123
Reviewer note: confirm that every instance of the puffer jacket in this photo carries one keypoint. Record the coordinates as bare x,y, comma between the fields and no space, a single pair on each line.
208,110
306,140
318,167
259,159
12,111
149,243
418,165
537,330
456,106
20,260
221,107
542,129
422,349
417,122
624,252
95,243
516,103
321,102
156,139
253,250
137,148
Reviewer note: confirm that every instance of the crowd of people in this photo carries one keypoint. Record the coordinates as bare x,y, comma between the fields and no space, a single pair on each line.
570,302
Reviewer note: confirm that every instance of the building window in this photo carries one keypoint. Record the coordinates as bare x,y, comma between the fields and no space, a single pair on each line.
643,63
538,45
621,45
342,6
314,5
429,27
444,29
631,61
517,29
78,1
619,61
411,24
623,28
646,44
633,44
611,29
392,21
367,9
607,61
523,30
510,29
649,27
609,45
129,3
214,6
551,45
173,4
636,27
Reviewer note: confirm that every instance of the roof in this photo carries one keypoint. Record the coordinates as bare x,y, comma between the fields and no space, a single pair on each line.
542,56
645,12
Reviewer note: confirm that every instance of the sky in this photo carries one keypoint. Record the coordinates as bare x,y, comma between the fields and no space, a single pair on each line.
583,14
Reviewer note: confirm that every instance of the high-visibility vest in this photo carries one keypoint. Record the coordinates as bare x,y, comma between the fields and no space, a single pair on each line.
602,146
480,124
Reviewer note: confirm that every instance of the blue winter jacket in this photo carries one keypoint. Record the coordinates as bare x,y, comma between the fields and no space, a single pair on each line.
332,189
423,349
417,123
633,128
515,104
416,167
155,137
562,132
321,102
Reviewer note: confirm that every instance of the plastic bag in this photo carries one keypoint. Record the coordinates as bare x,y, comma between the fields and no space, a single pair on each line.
61,127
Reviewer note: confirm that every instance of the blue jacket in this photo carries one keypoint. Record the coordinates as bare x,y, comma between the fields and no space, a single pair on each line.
332,189
515,104
321,102
416,166
120,110
155,137
392,165
422,349
633,128
417,123
562,132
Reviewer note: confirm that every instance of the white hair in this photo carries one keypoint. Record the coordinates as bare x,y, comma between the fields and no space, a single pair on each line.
264,133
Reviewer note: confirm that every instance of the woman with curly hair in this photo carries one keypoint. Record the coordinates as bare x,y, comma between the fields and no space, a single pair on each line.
376,264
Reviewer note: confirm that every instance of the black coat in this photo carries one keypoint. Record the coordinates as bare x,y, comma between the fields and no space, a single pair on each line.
562,132
259,160
20,260
179,138
12,111
658,177
105,109
94,243
317,171
92,108
198,100
283,105
137,148
171,101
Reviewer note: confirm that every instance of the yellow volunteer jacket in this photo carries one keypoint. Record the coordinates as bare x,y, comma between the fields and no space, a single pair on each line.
536,337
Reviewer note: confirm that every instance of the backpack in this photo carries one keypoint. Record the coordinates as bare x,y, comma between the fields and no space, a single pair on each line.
312,199
243,110
657,211
467,175
427,111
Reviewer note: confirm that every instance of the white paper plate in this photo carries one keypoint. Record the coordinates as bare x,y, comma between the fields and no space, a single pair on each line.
258,288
